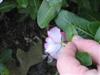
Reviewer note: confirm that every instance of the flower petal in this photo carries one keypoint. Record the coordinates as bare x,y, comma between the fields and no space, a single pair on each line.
49,42
55,34
53,42
53,50
49,47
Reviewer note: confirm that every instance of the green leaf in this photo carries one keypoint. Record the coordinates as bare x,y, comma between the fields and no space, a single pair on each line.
70,32
92,27
5,56
7,6
4,70
84,58
66,19
33,8
97,35
22,3
69,22
47,11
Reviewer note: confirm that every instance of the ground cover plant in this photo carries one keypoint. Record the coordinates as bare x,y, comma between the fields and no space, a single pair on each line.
25,25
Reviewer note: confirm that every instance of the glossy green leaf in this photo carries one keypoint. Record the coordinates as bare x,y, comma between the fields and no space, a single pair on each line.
92,27
5,56
7,6
47,11
66,18
55,4
69,22
84,58
70,32
22,3
97,36
4,70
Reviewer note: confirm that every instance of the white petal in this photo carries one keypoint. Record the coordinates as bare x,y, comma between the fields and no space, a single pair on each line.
54,53
53,50
49,40
50,48
55,34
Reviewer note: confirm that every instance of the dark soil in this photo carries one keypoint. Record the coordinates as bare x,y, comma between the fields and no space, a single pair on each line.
16,32
13,31
42,69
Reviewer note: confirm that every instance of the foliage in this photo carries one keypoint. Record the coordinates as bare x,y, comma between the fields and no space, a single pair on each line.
97,35
86,23
4,70
5,57
67,19
84,58
48,10
74,25
29,7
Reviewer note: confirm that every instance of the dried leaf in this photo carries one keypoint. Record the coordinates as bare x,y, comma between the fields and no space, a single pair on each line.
27,59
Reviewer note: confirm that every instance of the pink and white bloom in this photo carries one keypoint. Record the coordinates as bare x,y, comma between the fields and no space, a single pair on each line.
54,42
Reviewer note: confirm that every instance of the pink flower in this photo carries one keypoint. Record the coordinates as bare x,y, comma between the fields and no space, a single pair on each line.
53,42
